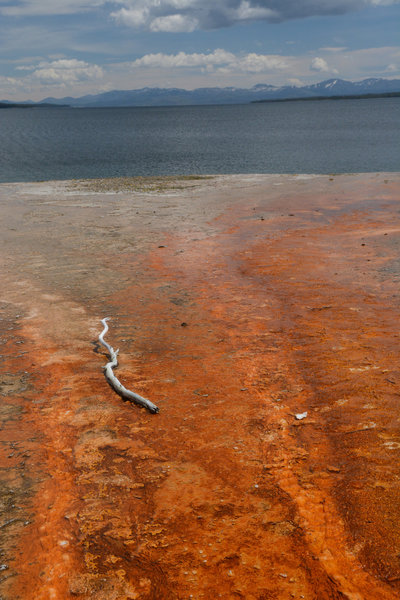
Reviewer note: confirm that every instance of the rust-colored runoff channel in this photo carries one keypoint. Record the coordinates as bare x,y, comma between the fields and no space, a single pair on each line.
261,314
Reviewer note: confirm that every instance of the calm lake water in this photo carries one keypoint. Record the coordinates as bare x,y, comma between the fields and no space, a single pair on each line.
294,137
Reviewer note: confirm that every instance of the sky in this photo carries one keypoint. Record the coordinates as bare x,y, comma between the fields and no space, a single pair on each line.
58,48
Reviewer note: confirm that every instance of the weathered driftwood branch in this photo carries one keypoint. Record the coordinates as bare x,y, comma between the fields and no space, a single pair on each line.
114,382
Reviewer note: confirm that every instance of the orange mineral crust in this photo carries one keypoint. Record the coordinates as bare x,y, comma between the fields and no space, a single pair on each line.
261,314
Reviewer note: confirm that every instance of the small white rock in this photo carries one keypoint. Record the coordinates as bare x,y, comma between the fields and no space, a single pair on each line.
301,416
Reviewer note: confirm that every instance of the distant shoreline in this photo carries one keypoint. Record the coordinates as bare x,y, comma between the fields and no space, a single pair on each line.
38,105
306,99
343,97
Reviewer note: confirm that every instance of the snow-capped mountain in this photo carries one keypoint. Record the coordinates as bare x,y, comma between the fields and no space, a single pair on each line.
340,87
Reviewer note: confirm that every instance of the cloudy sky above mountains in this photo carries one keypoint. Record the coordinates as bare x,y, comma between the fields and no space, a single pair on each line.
74,47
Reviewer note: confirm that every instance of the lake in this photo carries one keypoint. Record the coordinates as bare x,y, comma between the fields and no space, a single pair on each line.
331,136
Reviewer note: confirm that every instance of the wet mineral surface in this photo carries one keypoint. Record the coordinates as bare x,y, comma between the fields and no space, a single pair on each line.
261,314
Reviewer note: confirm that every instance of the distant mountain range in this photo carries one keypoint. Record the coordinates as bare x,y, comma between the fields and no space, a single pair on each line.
228,95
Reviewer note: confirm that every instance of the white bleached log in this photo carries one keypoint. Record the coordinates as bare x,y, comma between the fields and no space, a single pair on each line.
114,382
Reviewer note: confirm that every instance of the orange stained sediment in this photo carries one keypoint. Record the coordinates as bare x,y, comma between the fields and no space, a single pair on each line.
282,301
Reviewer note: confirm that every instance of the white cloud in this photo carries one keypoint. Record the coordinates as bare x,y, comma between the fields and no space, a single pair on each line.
182,59
223,68
134,17
223,61
320,65
174,23
333,49
35,77
295,81
259,63
63,72
9,85
187,15
247,12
